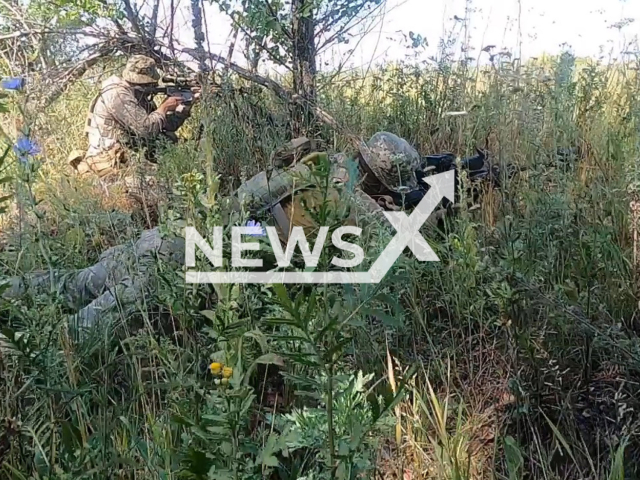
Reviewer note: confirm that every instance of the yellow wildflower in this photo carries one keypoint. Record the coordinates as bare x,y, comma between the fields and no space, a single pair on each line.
215,368
227,372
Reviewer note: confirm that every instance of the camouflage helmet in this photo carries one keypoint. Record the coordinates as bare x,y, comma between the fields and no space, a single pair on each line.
392,160
141,70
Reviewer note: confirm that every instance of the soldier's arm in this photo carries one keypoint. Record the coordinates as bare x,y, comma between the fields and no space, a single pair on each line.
365,204
175,121
132,115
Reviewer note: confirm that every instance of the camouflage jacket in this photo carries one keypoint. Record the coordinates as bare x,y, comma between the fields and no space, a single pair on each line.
119,114
121,281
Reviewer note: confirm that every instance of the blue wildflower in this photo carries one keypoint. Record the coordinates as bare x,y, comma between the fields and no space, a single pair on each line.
15,83
254,224
25,148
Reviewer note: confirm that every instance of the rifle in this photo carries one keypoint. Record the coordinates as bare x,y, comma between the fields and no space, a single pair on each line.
181,87
173,86
477,167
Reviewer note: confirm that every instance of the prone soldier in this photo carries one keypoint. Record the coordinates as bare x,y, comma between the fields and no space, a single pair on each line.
386,176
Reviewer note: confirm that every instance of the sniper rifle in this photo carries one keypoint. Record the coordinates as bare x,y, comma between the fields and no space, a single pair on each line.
181,87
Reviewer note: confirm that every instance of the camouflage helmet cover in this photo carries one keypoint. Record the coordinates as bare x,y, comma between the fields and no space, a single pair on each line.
141,70
392,160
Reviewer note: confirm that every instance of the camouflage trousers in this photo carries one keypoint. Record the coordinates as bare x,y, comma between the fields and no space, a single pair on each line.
115,170
105,163
114,287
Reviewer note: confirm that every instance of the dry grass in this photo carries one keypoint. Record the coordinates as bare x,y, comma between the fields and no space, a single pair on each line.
525,334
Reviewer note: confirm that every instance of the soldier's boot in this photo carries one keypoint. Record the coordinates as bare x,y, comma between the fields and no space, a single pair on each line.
75,157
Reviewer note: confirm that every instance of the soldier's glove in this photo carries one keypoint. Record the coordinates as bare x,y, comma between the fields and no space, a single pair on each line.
387,203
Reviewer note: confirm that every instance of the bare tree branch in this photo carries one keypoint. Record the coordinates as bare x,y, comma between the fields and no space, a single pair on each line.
232,45
119,26
244,73
198,34
283,93
154,19
21,18
73,74
86,32
133,19
172,16
258,44
24,33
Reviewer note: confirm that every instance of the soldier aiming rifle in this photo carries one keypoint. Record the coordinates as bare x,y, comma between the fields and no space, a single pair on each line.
389,172
123,117
183,88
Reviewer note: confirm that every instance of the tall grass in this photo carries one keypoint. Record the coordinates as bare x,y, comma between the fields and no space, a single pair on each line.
525,332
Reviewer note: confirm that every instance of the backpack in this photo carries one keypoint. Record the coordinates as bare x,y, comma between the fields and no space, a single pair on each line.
268,191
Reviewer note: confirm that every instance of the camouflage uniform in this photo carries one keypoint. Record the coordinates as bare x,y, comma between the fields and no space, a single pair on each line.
115,286
122,116
293,197
387,165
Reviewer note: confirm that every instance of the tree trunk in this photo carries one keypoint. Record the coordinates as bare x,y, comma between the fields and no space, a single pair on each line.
198,34
252,52
304,67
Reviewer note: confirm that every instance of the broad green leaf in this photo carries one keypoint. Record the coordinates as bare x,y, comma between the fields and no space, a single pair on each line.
513,457
267,457
271,359
259,337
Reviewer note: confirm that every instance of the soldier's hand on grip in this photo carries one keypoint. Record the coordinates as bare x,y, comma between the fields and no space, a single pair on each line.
170,105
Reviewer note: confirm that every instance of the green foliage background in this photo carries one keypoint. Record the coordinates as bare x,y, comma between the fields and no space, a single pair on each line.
516,356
